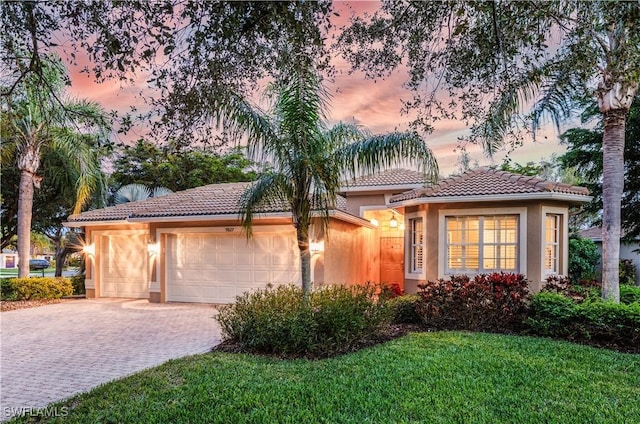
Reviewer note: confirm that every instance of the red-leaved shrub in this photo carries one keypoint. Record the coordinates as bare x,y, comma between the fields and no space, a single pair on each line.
578,292
488,302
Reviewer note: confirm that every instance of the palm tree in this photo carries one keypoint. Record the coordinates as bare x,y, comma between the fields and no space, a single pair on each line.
48,119
307,160
136,192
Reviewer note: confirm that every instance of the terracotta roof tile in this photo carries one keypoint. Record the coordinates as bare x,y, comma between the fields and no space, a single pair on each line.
392,177
214,199
489,182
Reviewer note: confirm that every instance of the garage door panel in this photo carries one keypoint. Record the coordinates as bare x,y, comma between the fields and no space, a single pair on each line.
239,266
262,277
224,259
243,259
123,265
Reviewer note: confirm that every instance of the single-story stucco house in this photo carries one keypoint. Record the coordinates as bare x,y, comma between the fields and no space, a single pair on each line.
391,227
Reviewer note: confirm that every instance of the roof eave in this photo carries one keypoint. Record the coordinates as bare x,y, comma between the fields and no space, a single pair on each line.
78,224
215,217
347,217
572,198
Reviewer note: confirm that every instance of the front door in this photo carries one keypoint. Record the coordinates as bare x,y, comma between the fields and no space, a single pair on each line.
392,260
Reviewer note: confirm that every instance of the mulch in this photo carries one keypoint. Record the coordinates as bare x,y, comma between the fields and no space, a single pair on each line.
12,305
389,333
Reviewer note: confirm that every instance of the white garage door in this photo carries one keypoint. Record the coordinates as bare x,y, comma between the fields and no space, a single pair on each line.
123,266
215,268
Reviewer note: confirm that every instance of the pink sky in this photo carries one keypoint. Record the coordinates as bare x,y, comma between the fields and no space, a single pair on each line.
374,104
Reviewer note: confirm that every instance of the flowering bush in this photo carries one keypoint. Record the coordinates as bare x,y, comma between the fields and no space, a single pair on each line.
488,302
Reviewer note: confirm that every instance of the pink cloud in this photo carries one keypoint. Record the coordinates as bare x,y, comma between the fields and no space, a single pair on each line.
374,104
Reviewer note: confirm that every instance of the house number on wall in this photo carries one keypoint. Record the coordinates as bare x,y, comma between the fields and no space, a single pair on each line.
229,229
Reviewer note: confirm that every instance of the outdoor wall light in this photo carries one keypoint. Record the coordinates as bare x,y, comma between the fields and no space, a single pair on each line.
393,222
374,222
89,249
316,247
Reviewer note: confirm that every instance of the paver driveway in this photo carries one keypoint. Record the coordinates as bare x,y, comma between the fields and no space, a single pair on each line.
52,352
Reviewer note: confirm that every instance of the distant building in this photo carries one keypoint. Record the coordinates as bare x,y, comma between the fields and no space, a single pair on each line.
628,250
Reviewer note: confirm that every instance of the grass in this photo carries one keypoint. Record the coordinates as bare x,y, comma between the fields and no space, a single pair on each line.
445,377
13,272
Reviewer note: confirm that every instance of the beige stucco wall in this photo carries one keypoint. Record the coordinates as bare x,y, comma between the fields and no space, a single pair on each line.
351,254
356,201
534,238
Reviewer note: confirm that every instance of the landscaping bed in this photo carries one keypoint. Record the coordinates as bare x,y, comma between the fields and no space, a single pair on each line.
12,305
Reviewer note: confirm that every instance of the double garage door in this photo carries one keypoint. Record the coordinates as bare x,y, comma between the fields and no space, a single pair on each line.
217,267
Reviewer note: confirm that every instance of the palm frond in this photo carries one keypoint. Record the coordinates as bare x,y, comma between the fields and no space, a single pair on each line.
379,152
83,156
160,191
500,115
345,133
557,95
267,192
131,193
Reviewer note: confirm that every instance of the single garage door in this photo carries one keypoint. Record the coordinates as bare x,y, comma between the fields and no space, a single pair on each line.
123,266
217,267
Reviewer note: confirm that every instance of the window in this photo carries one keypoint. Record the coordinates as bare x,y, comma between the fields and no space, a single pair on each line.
476,244
552,244
416,247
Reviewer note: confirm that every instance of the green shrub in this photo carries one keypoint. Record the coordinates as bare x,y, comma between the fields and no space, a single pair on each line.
6,289
488,302
583,259
584,290
629,294
627,272
598,322
38,288
332,319
551,314
77,281
402,309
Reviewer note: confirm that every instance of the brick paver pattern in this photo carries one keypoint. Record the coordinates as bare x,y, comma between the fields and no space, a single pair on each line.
52,352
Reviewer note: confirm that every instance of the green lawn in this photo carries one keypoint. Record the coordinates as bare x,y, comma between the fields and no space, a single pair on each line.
448,377
13,272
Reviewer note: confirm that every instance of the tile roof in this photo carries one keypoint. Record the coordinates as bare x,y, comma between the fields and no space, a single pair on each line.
392,177
595,233
592,233
213,199
489,182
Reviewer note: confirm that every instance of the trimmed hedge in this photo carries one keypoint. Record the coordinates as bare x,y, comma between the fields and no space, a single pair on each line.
629,294
402,309
488,302
77,281
333,319
597,322
36,288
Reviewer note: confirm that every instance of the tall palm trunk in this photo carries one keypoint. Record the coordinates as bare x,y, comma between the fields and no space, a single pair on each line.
612,188
305,259
28,164
25,207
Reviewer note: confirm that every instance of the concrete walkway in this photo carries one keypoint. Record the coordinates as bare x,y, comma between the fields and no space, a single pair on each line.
52,352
